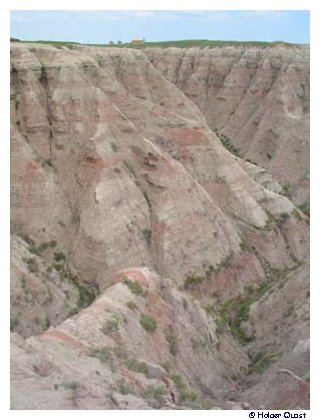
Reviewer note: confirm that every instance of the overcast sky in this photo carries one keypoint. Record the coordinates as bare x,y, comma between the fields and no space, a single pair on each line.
155,25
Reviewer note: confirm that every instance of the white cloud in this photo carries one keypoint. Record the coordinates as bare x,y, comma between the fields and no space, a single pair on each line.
142,13
273,14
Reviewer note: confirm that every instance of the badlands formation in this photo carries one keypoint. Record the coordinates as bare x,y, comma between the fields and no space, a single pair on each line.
160,227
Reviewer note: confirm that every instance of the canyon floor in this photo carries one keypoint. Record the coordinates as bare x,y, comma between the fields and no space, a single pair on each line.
159,227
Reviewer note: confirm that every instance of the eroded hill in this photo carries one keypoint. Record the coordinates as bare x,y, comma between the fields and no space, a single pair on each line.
146,248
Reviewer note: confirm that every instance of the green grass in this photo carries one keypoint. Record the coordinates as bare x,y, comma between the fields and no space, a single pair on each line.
54,43
186,43
148,323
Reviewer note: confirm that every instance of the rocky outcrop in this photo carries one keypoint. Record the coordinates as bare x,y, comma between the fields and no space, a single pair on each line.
113,166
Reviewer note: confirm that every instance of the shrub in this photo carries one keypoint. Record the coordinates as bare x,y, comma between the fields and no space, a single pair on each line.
260,362
284,216
305,208
286,190
134,286
48,162
244,246
234,312
296,214
192,281
111,325
172,341
114,147
101,353
132,305
31,264
155,392
59,256
184,392
136,366
147,198
70,385
123,387
33,249
27,239
147,235
148,323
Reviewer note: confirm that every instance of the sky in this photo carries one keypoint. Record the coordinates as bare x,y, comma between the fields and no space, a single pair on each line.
102,26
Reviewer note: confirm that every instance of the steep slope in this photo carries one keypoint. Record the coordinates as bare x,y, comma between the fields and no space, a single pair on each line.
257,97
113,166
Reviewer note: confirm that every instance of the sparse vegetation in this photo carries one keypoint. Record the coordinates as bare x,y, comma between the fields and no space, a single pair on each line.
148,323
193,282
172,340
244,246
236,311
114,147
123,387
284,217
136,366
101,353
48,162
59,256
185,393
134,286
132,305
289,311
14,322
47,322
186,43
305,208
227,142
147,199
296,214
112,325
27,239
286,190
155,393
260,361
31,264
33,248
67,385
147,235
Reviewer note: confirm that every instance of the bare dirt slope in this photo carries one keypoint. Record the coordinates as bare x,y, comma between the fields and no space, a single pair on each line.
144,249
257,97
